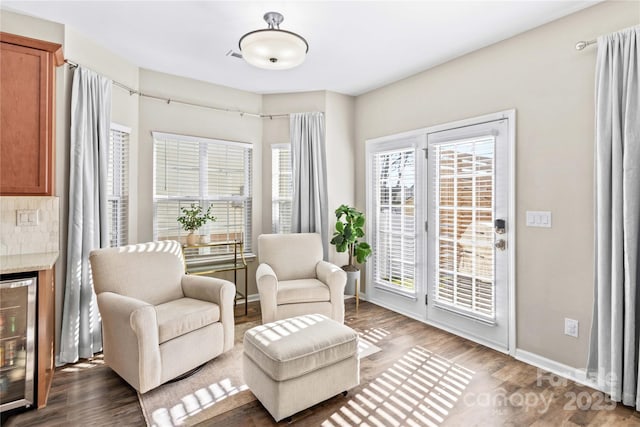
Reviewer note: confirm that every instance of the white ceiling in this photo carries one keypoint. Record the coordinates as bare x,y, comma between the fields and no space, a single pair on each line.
354,46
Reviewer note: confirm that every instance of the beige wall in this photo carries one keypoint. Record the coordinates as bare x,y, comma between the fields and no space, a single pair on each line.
124,111
276,131
28,26
340,148
339,113
182,119
551,85
144,115
538,73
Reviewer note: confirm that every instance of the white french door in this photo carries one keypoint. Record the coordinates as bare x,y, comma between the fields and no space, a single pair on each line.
467,205
440,219
393,168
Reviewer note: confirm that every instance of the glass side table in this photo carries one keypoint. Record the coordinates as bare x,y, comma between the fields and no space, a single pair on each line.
206,259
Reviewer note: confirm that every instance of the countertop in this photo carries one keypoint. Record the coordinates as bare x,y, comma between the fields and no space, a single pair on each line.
27,262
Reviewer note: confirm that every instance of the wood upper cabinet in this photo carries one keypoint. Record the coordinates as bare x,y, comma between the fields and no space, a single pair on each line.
27,114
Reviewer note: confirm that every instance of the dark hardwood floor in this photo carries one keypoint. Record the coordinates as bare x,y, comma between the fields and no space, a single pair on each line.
421,377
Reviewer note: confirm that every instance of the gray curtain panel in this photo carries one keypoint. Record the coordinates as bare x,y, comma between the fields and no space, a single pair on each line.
615,345
90,124
310,207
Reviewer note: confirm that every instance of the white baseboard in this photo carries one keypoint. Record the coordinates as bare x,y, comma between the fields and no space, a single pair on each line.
361,296
557,368
251,298
256,297
574,374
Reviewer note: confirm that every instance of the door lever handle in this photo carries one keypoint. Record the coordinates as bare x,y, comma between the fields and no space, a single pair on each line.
501,244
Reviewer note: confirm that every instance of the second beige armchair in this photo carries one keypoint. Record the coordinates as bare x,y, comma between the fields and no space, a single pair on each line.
293,279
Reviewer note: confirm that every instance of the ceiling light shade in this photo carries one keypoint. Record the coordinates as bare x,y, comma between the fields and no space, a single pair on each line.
273,48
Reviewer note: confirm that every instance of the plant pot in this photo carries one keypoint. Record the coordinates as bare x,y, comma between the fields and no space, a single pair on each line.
353,279
192,239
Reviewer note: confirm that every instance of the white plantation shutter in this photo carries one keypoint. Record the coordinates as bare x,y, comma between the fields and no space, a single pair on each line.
208,172
394,219
281,188
464,177
118,186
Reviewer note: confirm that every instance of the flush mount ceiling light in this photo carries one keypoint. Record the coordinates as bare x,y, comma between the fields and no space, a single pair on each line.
273,48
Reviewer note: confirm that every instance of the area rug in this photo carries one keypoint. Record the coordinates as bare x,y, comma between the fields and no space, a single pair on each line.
217,388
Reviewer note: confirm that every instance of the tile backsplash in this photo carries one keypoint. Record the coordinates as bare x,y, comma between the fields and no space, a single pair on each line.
29,239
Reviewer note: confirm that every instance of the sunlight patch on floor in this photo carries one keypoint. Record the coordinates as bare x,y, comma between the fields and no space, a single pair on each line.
373,335
84,364
195,402
420,389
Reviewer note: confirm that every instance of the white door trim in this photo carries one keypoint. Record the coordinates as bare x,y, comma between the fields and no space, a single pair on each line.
510,115
511,232
511,228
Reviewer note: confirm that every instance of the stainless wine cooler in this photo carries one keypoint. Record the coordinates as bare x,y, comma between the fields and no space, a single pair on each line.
17,341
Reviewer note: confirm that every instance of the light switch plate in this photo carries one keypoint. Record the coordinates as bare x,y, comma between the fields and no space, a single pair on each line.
27,217
539,219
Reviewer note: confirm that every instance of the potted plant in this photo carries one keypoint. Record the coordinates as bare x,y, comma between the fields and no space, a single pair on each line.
346,238
193,218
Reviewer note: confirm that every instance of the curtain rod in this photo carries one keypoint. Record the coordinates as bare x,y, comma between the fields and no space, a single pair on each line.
192,104
582,44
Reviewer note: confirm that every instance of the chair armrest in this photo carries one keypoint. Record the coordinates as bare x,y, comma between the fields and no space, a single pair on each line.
217,291
336,279
210,289
267,282
131,328
333,276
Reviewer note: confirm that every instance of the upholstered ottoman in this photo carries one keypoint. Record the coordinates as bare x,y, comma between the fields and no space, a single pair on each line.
294,363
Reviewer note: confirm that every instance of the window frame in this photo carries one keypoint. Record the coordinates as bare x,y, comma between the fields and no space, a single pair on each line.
122,181
276,226
202,198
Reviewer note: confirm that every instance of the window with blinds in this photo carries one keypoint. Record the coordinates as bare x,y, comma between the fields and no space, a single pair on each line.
281,188
209,172
394,222
464,179
118,186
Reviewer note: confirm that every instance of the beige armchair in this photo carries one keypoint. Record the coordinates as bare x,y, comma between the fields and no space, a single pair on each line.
157,322
293,279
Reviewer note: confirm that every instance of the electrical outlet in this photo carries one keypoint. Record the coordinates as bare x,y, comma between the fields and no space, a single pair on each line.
27,217
571,327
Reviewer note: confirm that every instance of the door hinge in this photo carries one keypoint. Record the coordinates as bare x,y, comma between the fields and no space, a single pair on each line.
426,299
426,226
426,153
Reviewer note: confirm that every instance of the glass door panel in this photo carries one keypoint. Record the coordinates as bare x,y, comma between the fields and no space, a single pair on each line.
467,191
